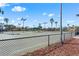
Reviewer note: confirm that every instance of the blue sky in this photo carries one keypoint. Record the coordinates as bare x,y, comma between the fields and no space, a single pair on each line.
39,13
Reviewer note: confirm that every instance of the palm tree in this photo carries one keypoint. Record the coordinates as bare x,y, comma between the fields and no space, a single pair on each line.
51,21
39,27
1,11
22,19
77,15
68,26
73,27
19,25
45,24
6,21
56,24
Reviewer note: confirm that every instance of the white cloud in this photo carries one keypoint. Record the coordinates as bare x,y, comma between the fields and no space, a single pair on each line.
18,18
13,21
44,14
70,21
4,4
50,15
1,17
18,9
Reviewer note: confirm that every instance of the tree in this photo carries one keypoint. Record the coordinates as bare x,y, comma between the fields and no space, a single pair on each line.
1,11
6,20
56,23
51,21
45,24
22,19
77,15
39,26
68,26
73,26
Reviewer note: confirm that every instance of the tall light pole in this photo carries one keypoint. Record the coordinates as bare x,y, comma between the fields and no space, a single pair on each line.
61,22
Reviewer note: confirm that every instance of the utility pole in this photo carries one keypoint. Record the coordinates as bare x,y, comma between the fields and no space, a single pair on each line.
61,22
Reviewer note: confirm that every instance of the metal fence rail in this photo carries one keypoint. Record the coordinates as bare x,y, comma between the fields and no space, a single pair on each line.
35,36
28,37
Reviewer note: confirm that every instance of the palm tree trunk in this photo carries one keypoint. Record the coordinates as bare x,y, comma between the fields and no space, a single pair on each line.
51,25
23,26
6,26
56,27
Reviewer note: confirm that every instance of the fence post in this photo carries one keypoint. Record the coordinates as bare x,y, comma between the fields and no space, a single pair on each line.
74,33
71,34
48,40
64,36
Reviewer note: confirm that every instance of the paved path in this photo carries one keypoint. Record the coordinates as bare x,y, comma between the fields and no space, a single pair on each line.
69,49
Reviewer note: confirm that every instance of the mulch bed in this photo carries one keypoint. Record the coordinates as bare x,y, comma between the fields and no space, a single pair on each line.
68,49
57,49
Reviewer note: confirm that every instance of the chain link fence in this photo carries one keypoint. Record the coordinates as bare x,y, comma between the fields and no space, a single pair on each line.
13,46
